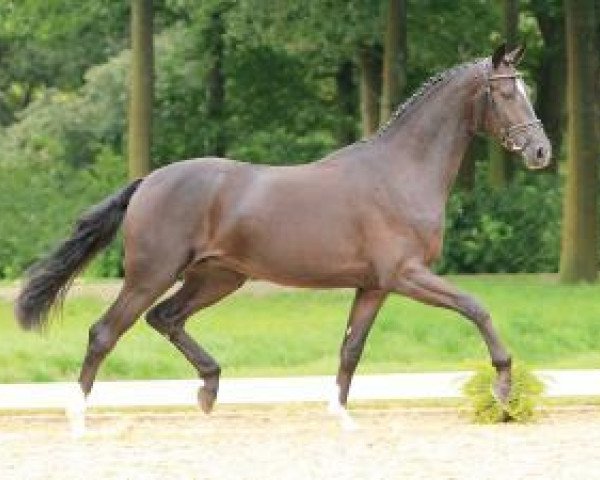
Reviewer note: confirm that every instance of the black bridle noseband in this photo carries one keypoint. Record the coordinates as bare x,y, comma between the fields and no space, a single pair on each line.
507,131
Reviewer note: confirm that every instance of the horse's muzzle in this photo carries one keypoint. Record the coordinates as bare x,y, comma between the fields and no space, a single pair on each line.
537,155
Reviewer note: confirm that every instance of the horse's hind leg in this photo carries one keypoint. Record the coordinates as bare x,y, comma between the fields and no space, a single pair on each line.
199,290
133,299
104,334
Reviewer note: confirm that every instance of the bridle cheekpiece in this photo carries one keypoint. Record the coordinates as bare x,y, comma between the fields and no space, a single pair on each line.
507,131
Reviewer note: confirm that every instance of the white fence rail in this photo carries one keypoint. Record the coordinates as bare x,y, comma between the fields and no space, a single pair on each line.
156,393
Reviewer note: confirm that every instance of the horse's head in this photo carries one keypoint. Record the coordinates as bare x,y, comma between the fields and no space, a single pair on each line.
507,112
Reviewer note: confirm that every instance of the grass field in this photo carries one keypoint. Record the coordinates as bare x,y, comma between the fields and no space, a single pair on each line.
292,333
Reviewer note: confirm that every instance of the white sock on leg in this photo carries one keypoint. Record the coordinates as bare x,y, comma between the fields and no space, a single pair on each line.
75,410
337,409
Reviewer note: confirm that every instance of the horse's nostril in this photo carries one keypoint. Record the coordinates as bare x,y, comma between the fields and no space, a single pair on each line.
540,153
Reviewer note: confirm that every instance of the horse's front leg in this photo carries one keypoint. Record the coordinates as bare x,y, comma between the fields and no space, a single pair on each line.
364,310
421,284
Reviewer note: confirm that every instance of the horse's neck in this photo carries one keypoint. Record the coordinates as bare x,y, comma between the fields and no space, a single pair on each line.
426,148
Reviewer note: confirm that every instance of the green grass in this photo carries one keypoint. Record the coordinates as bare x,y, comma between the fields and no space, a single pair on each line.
292,333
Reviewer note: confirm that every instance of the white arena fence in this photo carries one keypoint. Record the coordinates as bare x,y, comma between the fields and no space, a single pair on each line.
182,393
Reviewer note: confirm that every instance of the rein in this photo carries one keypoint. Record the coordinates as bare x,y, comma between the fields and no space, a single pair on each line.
507,130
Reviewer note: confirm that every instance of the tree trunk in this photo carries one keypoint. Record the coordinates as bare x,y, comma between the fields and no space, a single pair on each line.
597,96
580,222
501,169
394,58
141,86
511,23
502,163
368,63
215,85
550,104
345,130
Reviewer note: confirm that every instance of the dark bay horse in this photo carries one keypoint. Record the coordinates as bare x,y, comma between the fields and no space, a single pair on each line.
369,216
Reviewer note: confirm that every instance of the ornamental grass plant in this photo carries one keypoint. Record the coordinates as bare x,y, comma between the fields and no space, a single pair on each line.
522,406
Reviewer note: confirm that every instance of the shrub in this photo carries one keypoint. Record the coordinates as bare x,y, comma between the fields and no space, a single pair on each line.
483,405
513,230
39,204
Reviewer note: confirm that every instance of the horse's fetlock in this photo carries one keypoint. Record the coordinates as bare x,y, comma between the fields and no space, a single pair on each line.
214,371
502,364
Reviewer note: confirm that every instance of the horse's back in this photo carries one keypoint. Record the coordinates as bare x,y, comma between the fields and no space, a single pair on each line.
265,221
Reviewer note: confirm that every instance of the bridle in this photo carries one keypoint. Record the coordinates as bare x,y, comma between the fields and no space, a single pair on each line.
507,131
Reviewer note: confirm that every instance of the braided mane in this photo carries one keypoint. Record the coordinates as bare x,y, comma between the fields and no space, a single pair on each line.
430,86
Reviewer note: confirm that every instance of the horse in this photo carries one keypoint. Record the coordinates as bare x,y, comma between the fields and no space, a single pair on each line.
369,217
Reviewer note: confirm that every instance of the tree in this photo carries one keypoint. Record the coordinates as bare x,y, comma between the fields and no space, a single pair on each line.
501,161
394,58
345,130
580,221
33,36
369,65
141,88
550,100
597,95
215,82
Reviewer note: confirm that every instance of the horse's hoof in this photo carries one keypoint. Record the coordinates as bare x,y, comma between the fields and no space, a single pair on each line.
349,424
338,410
206,398
501,389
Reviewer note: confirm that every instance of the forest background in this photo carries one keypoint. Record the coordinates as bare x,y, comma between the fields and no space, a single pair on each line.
94,92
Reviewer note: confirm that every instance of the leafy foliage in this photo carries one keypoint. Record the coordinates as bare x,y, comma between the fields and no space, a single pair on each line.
511,230
38,209
63,101
484,407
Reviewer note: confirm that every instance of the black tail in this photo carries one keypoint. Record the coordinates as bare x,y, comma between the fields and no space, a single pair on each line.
48,281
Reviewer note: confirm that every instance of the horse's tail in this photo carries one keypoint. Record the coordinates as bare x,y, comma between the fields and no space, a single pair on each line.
48,281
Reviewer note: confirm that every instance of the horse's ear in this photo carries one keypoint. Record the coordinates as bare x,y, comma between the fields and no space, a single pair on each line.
516,55
498,55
